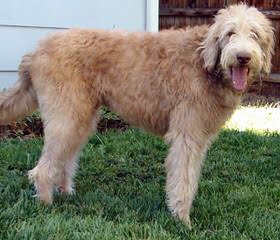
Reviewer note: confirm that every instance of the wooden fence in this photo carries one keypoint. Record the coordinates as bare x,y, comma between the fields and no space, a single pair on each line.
181,13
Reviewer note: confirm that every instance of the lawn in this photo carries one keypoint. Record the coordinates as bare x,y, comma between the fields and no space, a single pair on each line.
120,188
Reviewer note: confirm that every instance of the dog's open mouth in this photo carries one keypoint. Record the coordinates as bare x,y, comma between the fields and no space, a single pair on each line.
239,76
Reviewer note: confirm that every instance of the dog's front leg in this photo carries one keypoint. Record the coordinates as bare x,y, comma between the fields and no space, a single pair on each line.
183,166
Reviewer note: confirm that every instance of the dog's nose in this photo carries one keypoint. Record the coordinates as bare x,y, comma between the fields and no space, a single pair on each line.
243,58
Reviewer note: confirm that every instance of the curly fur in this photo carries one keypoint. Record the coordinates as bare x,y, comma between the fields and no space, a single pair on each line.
176,84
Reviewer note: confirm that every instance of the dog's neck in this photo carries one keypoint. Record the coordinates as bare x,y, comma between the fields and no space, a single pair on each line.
216,76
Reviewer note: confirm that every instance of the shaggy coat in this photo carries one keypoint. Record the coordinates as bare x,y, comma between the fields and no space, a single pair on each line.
179,84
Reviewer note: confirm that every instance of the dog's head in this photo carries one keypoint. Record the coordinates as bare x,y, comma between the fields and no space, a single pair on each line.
240,43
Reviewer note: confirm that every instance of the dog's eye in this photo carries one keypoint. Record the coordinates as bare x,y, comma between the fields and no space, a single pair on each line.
230,33
255,35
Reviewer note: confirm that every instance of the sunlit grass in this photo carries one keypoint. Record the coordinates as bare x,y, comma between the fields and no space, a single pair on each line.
258,119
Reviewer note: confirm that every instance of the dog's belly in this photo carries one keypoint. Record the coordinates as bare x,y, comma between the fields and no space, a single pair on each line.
147,113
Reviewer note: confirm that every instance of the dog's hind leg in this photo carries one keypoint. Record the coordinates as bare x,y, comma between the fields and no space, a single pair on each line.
183,164
65,183
66,129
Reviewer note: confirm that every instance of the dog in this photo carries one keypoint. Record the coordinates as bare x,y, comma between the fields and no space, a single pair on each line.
179,84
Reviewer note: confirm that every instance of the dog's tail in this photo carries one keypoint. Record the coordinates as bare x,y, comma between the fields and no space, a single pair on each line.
20,100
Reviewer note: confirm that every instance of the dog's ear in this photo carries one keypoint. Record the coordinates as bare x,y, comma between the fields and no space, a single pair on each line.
210,48
268,49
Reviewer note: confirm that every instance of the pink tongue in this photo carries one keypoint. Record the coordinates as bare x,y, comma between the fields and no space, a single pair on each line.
239,77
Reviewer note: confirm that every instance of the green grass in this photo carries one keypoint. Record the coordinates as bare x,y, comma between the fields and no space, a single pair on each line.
120,191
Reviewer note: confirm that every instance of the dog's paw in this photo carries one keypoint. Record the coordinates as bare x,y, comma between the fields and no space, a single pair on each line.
32,175
43,188
186,220
179,210
66,190
65,185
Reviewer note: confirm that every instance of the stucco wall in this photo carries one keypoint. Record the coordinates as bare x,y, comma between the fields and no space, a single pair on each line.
23,23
